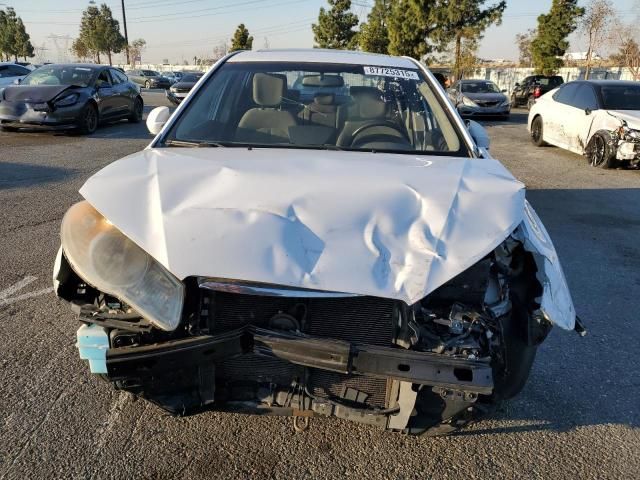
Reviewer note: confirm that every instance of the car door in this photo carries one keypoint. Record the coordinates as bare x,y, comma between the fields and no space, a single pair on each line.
555,113
582,108
106,96
123,103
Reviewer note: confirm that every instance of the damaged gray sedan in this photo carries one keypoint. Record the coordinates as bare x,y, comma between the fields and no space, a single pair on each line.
357,254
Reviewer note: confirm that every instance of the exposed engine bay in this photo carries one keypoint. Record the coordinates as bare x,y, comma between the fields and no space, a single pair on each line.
427,368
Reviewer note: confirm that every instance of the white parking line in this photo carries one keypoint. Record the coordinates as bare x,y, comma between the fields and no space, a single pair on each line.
7,299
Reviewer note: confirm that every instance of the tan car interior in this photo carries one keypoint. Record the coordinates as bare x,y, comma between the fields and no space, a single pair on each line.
280,117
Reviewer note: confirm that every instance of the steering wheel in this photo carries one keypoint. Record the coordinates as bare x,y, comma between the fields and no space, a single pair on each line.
379,123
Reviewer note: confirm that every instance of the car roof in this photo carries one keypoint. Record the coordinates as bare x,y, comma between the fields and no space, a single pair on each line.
604,83
470,80
319,55
93,66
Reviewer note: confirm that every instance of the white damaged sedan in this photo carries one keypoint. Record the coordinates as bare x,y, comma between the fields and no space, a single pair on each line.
313,233
599,119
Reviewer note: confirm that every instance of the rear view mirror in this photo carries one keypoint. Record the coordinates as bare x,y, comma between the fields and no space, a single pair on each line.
479,134
157,119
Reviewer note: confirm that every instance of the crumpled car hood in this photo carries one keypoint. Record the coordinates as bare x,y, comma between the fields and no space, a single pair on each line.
632,117
35,94
394,226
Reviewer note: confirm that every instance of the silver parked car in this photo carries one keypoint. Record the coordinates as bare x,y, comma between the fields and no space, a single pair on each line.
479,98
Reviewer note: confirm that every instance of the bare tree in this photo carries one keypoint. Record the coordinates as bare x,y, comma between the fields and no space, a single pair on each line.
595,25
626,41
524,46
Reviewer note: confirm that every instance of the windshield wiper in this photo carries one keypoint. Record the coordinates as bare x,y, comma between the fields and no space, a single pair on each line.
190,143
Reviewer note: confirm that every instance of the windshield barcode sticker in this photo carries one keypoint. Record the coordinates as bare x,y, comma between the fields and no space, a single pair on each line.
391,72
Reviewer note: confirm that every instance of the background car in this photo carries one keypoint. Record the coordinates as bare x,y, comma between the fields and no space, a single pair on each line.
599,119
479,98
173,76
148,78
181,89
69,96
532,88
10,72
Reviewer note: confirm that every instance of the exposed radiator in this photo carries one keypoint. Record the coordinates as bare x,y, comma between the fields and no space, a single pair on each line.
354,319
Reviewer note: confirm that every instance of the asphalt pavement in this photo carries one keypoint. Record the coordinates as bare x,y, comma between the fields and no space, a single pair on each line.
578,416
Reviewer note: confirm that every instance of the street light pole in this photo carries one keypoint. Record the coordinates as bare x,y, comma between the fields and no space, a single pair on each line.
126,36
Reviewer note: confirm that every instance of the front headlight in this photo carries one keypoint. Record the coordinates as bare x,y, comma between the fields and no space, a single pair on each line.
106,259
67,100
468,102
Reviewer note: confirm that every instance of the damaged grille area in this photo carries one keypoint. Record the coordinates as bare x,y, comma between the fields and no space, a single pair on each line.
355,319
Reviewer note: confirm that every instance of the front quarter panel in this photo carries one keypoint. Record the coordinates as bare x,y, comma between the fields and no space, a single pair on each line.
556,303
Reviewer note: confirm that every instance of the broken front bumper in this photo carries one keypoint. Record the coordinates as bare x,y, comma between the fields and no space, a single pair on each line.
179,375
23,115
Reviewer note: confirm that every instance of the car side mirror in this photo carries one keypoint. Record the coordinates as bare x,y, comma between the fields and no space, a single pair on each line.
479,134
517,84
157,119
17,81
587,111
504,91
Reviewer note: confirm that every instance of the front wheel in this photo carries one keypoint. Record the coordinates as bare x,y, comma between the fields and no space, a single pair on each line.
600,151
136,113
537,132
88,121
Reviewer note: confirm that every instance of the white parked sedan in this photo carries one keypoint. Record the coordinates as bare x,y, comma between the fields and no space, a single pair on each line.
355,253
598,119
10,72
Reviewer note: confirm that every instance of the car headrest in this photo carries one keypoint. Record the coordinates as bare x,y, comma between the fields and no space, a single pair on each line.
371,106
324,98
268,89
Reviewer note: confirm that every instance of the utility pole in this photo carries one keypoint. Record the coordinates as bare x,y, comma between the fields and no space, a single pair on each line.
126,37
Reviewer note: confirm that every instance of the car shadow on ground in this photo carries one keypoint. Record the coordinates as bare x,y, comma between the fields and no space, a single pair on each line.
592,380
25,175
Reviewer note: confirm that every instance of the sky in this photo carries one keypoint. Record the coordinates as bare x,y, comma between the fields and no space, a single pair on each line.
179,30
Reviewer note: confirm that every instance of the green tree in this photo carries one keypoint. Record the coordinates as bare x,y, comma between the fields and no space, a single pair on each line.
90,26
80,50
4,36
409,26
460,21
110,38
241,39
335,26
374,34
8,30
551,42
22,40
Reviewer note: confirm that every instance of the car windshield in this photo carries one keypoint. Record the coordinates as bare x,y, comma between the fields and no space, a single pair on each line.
480,87
621,97
60,75
191,77
353,107
150,73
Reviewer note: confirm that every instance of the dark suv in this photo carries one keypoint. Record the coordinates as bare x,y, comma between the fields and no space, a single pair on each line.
533,87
